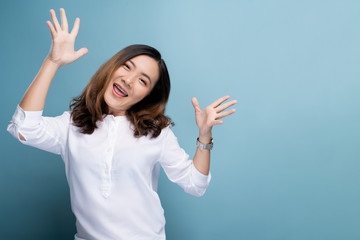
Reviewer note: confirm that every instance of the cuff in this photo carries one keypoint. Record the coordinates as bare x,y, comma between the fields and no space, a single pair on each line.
26,118
200,179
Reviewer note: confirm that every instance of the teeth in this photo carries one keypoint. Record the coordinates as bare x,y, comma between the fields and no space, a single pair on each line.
120,89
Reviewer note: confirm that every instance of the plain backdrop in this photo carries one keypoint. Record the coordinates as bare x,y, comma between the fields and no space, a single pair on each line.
285,166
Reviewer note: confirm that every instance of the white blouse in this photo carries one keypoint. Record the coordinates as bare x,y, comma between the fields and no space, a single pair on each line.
112,175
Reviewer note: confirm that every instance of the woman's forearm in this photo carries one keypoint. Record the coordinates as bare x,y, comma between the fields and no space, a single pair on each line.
202,157
35,95
205,120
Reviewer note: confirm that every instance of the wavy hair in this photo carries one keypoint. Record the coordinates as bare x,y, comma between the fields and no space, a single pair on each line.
147,116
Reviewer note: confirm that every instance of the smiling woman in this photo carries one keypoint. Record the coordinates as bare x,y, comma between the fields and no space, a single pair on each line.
115,138
134,82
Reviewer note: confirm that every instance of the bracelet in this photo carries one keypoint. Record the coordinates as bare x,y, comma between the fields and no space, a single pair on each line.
203,146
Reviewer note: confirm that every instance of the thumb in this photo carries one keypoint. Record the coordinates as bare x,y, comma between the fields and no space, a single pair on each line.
196,105
81,52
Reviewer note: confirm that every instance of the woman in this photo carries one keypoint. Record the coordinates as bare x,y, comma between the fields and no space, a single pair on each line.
115,138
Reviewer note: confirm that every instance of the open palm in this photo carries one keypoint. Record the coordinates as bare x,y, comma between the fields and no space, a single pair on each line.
62,50
209,116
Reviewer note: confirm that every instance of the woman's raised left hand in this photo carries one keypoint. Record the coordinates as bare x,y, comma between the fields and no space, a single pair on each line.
209,116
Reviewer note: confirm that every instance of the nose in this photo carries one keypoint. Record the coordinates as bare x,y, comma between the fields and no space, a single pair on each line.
128,80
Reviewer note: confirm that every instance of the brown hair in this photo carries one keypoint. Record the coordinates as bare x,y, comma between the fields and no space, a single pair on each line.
146,116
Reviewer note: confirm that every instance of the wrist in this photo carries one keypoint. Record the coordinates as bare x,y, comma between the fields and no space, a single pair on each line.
205,137
204,146
51,63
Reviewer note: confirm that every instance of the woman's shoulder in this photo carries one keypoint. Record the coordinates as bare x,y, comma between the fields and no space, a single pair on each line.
167,133
161,137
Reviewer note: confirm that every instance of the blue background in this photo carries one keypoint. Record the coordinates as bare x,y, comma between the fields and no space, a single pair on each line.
285,166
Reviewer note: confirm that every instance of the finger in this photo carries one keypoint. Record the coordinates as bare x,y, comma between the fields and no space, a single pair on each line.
75,29
81,52
52,29
224,106
219,101
217,122
225,114
196,105
55,21
64,22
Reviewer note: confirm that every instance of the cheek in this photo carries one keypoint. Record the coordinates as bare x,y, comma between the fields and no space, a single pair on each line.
108,93
141,93
106,98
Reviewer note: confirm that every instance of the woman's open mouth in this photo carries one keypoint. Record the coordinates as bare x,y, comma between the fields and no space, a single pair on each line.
118,91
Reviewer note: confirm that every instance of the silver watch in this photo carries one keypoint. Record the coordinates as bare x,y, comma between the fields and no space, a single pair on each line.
203,146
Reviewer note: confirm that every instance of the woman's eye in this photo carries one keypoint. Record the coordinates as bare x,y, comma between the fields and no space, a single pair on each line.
126,66
143,81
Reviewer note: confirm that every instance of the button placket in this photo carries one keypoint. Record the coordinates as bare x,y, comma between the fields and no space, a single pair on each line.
106,179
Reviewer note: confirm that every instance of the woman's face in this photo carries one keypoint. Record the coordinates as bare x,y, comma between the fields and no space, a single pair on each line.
130,83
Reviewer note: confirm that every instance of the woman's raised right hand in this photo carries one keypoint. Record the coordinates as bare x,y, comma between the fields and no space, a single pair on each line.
62,50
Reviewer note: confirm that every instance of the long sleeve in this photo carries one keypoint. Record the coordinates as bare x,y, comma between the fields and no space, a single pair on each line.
45,133
180,169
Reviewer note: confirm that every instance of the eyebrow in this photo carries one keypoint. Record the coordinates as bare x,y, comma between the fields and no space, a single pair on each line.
142,73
